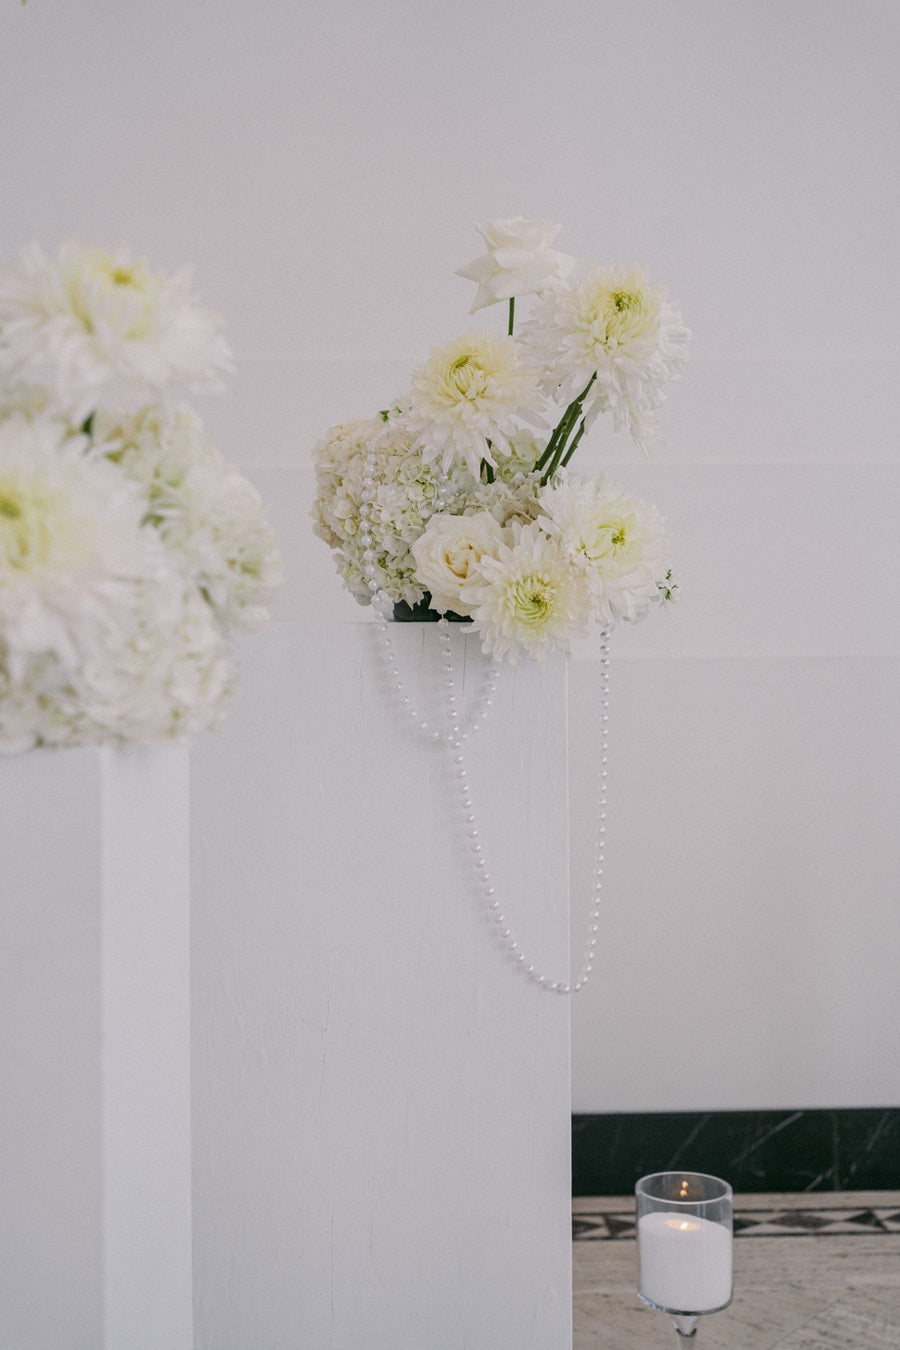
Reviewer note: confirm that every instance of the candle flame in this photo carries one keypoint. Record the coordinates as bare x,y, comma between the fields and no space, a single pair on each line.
680,1225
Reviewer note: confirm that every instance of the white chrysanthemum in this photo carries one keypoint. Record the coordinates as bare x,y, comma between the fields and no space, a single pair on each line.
615,328
446,553
28,401
100,636
470,399
70,531
209,515
519,260
618,541
407,492
101,327
527,597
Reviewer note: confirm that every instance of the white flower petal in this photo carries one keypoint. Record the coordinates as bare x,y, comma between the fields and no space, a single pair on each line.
527,598
617,541
469,399
100,327
447,552
612,325
519,260
100,634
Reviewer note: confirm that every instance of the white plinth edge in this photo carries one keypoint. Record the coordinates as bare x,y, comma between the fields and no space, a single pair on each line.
95,1245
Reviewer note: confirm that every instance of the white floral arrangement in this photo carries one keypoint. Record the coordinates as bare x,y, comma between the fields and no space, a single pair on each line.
131,553
459,499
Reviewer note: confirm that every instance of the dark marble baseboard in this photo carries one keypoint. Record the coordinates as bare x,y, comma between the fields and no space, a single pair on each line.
844,1150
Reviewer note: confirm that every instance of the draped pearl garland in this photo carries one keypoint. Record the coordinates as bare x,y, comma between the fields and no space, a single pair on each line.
452,736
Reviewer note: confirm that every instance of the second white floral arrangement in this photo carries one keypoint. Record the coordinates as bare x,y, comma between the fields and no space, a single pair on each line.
459,499
131,553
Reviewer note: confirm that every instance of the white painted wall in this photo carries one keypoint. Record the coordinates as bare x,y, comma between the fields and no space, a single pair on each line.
322,167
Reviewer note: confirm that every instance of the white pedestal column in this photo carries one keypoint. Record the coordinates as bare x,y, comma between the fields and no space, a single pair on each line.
95,1243
381,1101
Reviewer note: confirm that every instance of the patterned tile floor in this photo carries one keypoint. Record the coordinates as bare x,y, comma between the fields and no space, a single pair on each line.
605,1224
827,1278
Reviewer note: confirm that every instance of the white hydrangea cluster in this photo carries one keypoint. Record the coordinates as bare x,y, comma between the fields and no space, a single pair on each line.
408,491
514,489
471,511
130,552
209,516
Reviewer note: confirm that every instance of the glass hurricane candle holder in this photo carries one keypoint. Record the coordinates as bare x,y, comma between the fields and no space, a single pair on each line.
684,1233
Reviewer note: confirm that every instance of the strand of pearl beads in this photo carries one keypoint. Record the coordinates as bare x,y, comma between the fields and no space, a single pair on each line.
453,737
461,774
454,730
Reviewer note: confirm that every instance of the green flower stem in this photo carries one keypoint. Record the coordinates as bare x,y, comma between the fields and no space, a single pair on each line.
574,446
555,450
559,449
550,448
512,314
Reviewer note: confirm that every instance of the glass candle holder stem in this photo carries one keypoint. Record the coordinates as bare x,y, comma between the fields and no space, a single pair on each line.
686,1327
684,1234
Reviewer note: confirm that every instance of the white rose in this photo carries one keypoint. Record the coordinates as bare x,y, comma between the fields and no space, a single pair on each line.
448,550
519,260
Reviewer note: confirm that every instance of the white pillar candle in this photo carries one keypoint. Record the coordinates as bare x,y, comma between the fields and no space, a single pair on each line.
685,1261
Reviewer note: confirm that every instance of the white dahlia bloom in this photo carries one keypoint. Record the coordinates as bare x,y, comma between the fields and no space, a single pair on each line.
527,598
446,553
209,516
469,400
617,541
100,327
612,327
100,635
71,538
519,260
